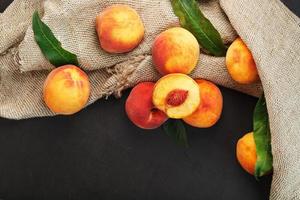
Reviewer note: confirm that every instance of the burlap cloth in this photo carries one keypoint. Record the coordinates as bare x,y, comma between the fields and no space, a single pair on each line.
270,30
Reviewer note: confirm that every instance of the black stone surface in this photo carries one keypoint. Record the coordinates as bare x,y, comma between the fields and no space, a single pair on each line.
99,154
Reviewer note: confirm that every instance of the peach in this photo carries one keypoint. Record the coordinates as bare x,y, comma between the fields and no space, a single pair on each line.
246,153
140,109
240,63
177,95
66,90
120,29
175,50
210,108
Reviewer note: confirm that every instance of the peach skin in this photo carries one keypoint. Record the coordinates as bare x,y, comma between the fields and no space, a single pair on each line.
175,50
140,109
246,153
210,108
120,29
177,95
66,90
240,63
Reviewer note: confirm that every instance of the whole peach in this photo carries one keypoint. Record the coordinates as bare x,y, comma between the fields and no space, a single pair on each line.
240,63
210,108
120,29
66,90
140,109
246,153
175,50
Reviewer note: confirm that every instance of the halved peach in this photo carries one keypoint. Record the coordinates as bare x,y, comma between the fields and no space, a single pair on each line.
120,29
66,90
210,108
177,95
240,63
140,109
175,50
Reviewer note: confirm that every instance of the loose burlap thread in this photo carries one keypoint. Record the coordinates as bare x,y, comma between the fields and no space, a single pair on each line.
269,29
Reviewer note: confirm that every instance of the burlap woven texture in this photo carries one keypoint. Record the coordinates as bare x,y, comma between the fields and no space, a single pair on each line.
270,30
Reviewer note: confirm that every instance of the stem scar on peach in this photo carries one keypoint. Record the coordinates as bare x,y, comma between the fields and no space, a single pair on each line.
240,63
120,29
246,153
175,50
178,95
210,108
66,90
140,109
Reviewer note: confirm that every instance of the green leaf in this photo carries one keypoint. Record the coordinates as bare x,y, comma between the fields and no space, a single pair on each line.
176,130
262,138
49,45
192,19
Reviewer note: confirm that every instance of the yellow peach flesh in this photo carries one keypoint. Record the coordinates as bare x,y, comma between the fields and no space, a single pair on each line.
173,82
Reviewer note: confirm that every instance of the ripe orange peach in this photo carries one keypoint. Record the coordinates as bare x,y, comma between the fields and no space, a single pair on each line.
177,95
210,108
120,29
175,50
66,90
140,109
246,153
240,63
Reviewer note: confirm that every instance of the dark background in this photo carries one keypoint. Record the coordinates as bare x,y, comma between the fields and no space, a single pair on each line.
99,154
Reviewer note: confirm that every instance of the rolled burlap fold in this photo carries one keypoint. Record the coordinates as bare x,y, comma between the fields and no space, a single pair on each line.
270,30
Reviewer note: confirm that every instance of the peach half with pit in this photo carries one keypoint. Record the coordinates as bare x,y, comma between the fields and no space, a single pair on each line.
140,109
120,29
177,95
175,50
66,90
210,108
